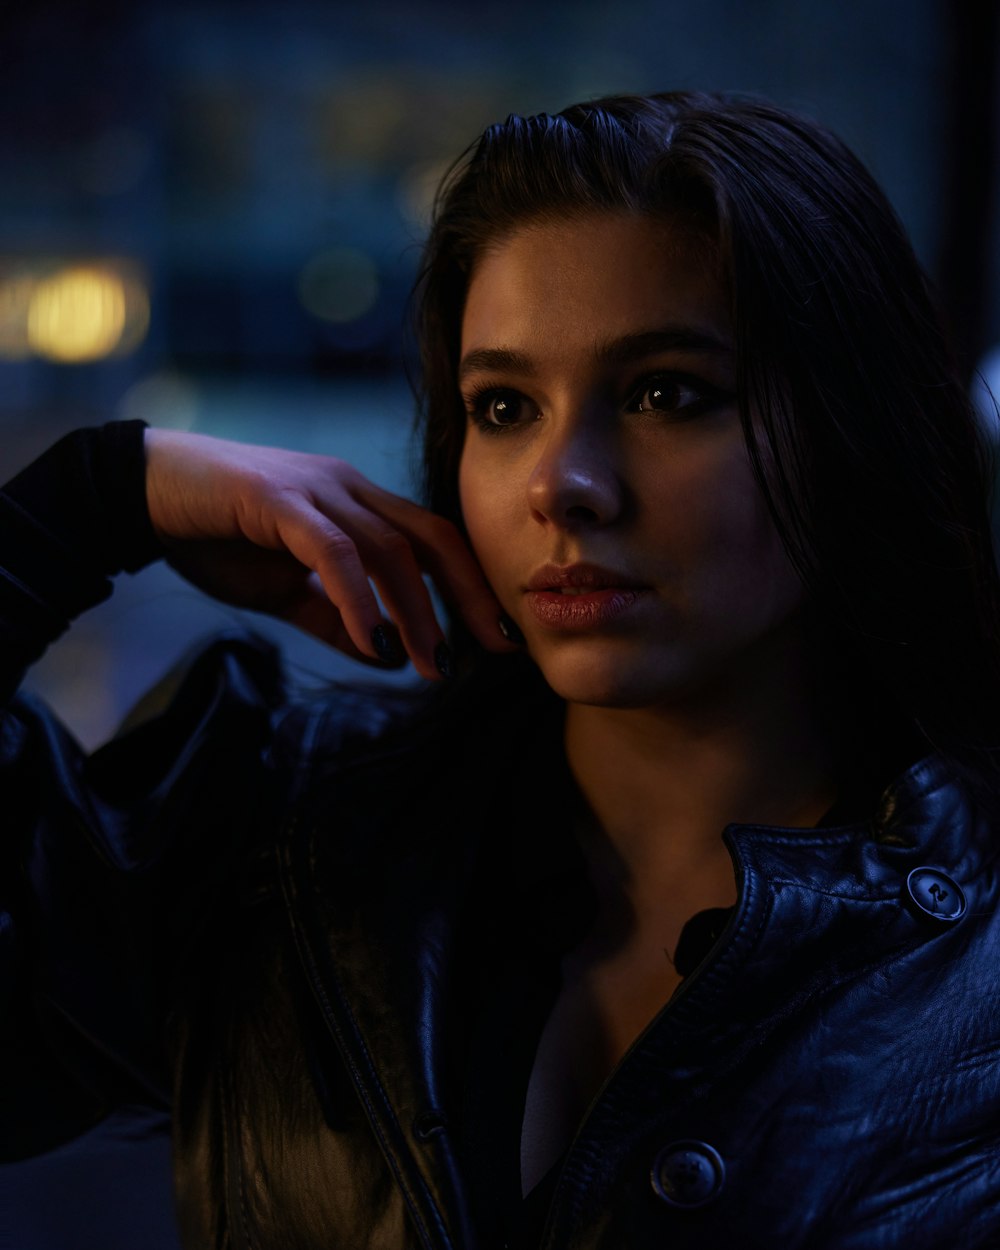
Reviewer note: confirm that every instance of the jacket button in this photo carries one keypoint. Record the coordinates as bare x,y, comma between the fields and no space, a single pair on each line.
687,1174
936,894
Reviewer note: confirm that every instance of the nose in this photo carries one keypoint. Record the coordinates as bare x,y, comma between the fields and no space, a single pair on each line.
575,480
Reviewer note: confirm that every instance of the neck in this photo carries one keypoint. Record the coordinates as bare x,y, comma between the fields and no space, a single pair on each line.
661,783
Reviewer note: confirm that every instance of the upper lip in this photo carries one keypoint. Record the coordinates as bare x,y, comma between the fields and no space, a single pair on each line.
585,576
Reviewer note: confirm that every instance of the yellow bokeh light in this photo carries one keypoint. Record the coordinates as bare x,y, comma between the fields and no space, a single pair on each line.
71,312
77,314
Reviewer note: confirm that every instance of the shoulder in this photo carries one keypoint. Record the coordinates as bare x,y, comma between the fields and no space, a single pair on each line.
226,723
234,692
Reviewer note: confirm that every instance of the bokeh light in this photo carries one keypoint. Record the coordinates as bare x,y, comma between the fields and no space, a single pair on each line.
71,313
165,399
339,285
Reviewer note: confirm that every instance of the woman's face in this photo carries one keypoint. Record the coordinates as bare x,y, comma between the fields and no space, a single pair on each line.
604,478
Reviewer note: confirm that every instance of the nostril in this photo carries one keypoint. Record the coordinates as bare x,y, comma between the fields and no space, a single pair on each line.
578,512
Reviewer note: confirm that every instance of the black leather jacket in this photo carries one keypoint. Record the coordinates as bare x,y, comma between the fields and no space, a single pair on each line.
828,1077
278,919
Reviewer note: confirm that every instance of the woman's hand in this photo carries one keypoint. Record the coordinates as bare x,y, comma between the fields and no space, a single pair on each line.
303,537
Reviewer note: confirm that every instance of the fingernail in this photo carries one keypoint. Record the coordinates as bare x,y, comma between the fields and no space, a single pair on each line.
509,630
443,661
387,646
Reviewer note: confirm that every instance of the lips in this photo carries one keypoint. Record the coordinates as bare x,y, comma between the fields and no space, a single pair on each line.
581,597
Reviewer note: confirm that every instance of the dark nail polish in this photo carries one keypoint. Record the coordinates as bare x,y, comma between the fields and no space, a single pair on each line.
443,661
509,630
387,646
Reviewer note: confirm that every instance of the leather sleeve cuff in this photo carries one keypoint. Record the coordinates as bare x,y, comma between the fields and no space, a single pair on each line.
68,522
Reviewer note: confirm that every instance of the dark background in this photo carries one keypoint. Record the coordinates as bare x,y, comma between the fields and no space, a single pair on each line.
210,214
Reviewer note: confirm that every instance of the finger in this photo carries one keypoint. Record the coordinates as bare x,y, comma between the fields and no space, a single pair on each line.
391,563
319,544
312,611
446,556
464,587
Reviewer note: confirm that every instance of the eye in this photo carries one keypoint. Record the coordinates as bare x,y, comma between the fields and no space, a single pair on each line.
494,409
672,393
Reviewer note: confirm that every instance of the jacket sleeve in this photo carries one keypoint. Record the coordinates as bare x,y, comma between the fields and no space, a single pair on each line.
108,862
68,523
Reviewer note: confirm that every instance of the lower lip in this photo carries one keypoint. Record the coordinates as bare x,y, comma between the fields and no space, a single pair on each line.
582,612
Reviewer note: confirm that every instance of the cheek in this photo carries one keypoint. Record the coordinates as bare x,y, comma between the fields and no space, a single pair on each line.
757,573
721,531
485,511
468,496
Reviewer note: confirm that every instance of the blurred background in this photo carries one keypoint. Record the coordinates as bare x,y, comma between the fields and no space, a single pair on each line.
211,214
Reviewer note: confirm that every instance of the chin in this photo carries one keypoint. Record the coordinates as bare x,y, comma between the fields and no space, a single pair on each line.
600,681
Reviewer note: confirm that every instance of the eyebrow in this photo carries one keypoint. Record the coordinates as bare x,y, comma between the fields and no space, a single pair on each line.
620,351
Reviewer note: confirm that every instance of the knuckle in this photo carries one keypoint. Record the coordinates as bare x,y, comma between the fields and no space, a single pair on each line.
393,545
337,548
343,475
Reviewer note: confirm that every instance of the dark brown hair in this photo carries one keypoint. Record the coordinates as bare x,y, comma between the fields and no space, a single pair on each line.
859,429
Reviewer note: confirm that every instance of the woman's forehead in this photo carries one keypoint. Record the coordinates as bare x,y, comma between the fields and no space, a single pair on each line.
595,280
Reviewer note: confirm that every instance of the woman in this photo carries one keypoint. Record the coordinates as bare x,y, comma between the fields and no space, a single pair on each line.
671,917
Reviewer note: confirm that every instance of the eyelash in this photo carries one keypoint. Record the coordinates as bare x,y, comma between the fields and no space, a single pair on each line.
481,398
479,402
